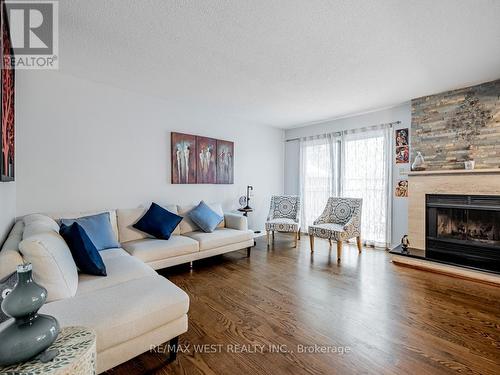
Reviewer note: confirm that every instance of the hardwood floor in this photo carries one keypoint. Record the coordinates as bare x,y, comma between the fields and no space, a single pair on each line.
389,319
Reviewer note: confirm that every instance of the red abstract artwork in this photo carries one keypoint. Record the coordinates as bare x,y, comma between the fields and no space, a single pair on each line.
7,152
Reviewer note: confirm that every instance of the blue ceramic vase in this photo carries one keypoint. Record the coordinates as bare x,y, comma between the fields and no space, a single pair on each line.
29,333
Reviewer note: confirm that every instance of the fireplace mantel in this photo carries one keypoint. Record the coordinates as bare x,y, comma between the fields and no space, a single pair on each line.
473,182
455,172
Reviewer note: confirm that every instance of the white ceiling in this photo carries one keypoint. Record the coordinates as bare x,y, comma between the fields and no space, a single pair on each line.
282,62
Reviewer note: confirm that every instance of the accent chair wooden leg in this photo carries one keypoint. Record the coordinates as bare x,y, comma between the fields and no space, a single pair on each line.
249,250
267,236
311,240
360,246
330,242
339,250
298,233
273,237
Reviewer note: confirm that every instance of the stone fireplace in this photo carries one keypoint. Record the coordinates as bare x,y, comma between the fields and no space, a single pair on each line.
454,217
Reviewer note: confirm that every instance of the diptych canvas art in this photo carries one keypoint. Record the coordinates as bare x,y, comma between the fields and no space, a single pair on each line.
201,160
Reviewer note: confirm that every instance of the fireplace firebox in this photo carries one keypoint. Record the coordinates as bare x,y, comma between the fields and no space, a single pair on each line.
464,230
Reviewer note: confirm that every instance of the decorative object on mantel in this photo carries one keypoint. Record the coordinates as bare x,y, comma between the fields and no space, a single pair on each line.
418,163
405,243
77,356
7,130
469,164
201,160
29,333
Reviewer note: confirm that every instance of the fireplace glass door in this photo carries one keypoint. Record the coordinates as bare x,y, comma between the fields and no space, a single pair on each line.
469,225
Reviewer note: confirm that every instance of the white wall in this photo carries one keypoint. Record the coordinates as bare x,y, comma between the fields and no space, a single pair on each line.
7,208
84,145
399,113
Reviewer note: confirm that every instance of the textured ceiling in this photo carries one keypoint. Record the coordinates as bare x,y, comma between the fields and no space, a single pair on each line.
281,62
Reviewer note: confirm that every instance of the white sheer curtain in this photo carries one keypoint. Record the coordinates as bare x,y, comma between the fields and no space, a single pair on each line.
318,171
366,173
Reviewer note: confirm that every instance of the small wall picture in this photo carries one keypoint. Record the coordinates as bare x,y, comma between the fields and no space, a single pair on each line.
225,162
183,149
402,155
402,136
206,152
401,189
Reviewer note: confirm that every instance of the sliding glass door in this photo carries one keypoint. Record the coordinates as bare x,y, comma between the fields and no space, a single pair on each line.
319,175
366,173
356,164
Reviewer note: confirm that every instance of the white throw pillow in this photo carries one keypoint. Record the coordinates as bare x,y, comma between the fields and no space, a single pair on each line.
187,224
53,265
38,223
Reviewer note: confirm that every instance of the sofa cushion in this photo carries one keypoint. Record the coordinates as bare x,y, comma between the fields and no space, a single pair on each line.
10,257
219,237
123,311
38,223
120,267
158,222
151,249
128,217
205,218
187,225
83,251
98,228
53,265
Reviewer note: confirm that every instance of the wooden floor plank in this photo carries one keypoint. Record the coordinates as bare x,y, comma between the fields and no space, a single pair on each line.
392,319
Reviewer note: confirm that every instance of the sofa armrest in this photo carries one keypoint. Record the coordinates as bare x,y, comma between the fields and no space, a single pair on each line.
235,221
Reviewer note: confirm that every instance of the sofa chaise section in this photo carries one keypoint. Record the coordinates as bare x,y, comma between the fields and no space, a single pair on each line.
148,310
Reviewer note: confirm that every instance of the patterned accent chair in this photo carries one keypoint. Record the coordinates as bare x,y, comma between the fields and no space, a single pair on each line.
340,221
284,216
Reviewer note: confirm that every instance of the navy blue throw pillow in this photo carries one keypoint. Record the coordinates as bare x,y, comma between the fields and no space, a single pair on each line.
83,250
158,222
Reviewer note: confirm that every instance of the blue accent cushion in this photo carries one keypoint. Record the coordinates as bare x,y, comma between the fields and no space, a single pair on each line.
204,217
98,228
84,253
158,222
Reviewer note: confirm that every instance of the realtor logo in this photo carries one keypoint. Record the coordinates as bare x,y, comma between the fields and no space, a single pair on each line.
33,34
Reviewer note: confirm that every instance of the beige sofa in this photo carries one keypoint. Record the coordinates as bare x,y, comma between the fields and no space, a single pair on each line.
133,308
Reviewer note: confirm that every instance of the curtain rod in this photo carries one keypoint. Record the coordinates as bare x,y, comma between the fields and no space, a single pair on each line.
343,131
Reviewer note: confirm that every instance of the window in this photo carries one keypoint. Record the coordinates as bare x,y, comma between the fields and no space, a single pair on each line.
366,174
354,165
319,175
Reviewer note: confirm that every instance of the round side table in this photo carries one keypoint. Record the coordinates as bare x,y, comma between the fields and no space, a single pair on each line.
77,356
